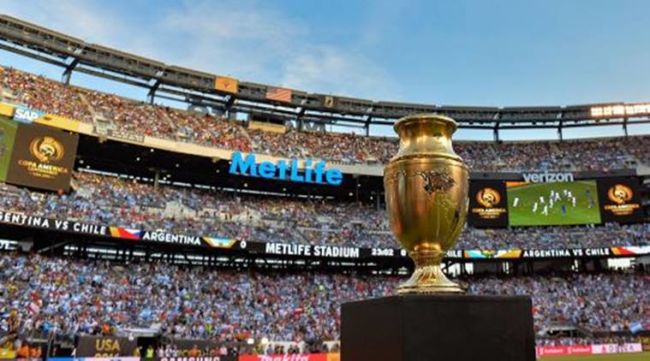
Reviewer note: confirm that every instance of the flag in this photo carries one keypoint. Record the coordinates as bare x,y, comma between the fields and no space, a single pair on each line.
125,233
636,327
328,101
279,94
226,84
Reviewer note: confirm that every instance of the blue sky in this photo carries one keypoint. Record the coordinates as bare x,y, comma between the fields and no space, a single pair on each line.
459,52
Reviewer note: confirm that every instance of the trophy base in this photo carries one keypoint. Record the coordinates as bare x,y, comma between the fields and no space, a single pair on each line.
428,276
427,280
438,327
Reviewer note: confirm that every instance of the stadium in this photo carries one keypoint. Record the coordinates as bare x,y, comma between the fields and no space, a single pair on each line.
133,229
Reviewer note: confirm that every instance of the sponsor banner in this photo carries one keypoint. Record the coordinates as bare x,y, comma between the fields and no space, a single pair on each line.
286,249
307,250
285,170
164,237
610,348
60,122
546,177
26,115
226,84
566,253
20,219
97,347
620,200
200,358
487,204
279,94
580,350
7,138
295,357
185,348
128,358
492,254
42,158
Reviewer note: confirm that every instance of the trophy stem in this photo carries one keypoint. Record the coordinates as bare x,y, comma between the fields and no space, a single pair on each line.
428,276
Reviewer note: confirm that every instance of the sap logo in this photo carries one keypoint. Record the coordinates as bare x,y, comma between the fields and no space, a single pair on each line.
547,177
26,115
284,170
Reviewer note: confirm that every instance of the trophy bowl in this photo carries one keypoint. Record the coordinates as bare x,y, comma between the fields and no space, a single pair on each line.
426,186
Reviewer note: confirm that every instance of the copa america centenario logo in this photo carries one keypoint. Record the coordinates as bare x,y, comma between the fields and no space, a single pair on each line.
488,197
620,194
46,149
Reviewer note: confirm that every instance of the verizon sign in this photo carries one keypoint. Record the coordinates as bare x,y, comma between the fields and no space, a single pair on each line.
547,177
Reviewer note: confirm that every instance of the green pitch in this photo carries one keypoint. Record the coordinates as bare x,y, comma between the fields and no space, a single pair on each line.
530,204
616,357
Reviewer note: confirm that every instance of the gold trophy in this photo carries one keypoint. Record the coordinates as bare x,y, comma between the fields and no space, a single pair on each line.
426,197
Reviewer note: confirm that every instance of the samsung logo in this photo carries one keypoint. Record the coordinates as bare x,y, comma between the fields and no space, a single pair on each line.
547,177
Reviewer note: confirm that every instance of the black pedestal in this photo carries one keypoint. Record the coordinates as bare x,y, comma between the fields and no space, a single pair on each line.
438,327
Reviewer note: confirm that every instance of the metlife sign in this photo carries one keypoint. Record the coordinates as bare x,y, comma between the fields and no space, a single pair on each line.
315,173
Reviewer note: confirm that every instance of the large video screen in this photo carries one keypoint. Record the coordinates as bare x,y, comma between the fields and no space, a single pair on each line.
487,204
620,199
548,204
42,157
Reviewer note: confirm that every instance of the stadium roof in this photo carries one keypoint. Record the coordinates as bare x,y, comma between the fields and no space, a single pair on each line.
201,88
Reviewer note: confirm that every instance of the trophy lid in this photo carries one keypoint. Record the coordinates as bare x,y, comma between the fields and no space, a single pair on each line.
449,124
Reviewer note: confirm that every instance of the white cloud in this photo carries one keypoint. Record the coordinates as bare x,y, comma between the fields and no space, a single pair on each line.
247,39
74,17
323,68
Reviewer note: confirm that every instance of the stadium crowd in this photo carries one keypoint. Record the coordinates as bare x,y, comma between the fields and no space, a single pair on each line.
73,296
138,118
107,200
